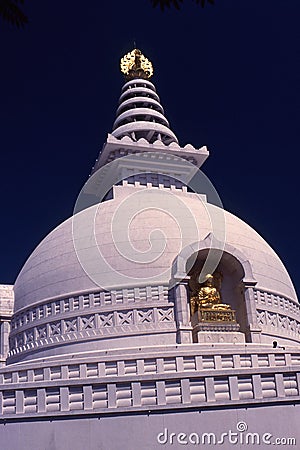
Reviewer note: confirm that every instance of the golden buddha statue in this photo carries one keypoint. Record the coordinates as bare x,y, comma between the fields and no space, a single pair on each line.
208,296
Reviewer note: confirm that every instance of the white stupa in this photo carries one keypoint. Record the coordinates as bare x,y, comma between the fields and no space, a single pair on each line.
117,340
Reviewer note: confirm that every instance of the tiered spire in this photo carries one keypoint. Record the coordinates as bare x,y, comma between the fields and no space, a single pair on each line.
140,114
142,128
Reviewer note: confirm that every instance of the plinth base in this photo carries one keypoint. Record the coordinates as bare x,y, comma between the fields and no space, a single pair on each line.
218,337
222,328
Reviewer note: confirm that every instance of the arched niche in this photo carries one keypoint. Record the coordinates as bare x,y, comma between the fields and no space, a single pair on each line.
231,287
236,290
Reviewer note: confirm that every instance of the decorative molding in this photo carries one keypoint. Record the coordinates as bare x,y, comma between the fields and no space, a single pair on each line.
211,242
6,301
277,315
266,300
150,383
81,326
278,324
144,363
99,300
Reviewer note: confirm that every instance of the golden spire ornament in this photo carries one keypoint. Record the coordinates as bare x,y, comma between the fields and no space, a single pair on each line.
136,65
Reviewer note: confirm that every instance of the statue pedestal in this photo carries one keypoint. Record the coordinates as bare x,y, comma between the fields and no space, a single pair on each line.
218,337
216,326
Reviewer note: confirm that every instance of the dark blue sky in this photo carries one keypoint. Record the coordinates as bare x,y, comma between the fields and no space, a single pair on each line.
227,76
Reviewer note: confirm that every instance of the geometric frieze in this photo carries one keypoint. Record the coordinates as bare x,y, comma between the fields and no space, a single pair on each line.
277,314
82,326
272,311
276,303
96,300
127,310
278,323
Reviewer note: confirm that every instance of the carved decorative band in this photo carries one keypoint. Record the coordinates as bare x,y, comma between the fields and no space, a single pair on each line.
97,325
270,301
280,323
95,300
145,363
149,394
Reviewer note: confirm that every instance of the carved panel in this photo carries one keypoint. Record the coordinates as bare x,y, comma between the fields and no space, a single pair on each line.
281,324
88,301
113,322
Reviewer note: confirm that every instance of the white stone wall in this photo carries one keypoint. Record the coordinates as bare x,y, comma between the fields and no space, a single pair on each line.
6,311
142,431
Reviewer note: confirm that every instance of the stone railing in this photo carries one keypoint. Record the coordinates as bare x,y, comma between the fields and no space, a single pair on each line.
273,302
277,315
109,384
95,315
52,308
278,324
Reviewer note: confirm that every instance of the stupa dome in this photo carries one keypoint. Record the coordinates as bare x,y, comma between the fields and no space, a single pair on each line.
53,274
53,269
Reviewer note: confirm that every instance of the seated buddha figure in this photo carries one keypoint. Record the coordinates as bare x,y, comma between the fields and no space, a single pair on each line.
208,297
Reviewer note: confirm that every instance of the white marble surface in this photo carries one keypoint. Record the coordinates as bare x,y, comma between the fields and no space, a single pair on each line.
53,268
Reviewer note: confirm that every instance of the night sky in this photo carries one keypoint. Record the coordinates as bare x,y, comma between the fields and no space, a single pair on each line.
227,76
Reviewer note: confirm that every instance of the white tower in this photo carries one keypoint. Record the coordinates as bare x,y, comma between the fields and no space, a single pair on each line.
117,338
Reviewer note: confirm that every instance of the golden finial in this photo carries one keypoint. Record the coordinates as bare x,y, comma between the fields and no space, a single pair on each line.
136,65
